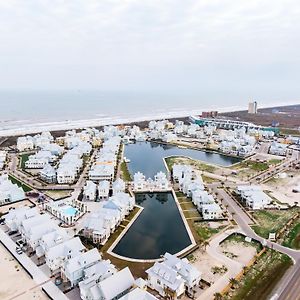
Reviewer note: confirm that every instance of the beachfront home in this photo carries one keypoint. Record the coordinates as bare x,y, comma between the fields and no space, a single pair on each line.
100,172
92,276
113,287
14,217
25,143
139,181
73,269
89,191
211,211
10,192
34,233
118,186
165,280
48,174
50,240
54,149
253,196
185,270
97,227
103,190
57,255
161,182
173,276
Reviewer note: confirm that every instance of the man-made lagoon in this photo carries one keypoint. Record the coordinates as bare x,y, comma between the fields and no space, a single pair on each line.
147,157
158,229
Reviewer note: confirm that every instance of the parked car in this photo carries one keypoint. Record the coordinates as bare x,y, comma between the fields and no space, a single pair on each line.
19,250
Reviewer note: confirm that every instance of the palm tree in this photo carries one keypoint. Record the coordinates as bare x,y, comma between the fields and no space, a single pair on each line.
205,244
218,296
233,281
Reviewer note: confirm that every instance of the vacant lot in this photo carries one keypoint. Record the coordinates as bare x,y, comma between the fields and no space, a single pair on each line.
261,278
292,240
271,220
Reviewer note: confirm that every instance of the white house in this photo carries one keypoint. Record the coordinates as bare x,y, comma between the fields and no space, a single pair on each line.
57,255
48,174
161,181
139,181
211,211
73,269
103,189
102,172
118,186
14,217
10,192
185,270
278,149
253,196
25,143
89,191
165,280
3,155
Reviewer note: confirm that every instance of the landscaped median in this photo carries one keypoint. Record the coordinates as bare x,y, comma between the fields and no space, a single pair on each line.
20,183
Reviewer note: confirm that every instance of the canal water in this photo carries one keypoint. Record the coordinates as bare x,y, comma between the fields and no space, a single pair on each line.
147,157
157,230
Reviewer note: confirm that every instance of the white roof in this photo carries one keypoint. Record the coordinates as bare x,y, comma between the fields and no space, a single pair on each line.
116,284
138,294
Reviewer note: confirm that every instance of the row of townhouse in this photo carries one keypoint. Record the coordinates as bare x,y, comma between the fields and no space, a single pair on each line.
10,192
40,159
3,156
253,196
191,184
66,256
98,226
71,163
173,277
100,191
160,182
106,161
26,143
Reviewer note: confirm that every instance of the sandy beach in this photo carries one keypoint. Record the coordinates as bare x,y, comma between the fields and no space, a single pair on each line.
15,283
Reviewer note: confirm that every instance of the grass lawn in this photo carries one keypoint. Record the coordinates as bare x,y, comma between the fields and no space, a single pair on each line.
170,161
204,231
253,165
58,194
21,184
125,173
292,240
262,277
271,220
23,159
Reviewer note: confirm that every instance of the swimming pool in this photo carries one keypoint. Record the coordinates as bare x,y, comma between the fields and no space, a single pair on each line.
70,211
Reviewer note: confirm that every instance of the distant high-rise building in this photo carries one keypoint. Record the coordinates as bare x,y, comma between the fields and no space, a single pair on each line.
252,108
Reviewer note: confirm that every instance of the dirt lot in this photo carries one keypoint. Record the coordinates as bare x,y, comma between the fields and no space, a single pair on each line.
282,188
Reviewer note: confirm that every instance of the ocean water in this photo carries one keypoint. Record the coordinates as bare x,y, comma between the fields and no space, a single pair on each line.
79,105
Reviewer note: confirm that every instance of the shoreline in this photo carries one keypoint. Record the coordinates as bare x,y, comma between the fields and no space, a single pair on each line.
19,128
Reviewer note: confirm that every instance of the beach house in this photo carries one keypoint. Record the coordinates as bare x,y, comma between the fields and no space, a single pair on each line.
118,186
139,181
103,190
57,255
89,191
3,155
48,174
10,192
72,270
253,197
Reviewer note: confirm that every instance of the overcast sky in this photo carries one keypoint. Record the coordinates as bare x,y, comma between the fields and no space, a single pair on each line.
250,47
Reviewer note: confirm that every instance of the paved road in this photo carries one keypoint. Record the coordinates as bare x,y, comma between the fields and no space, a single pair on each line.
289,286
